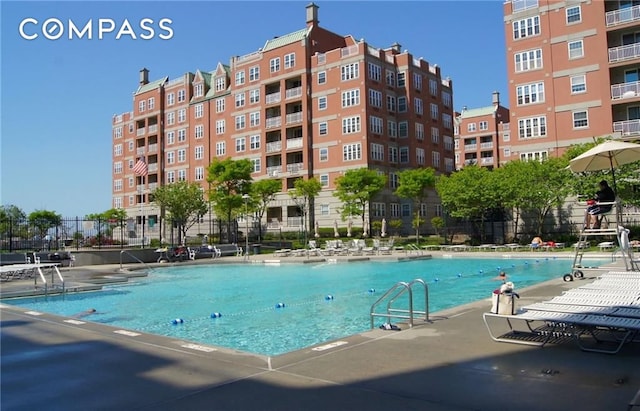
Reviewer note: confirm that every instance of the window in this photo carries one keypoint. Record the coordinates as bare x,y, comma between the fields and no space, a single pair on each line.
182,95
117,150
130,128
182,175
580,119
435,135
402,104
404,155
573,15
394,209
419,131
239,78
182,135
220,126
433,87
199,173
241,145
375,98
220,148
182,115
117,185
254,142
254,73
393,154
532,127
393,183
483,125
417,106
171,157
377,152
403,129
420,157
240,100
322,103
151,103
391,103
392,129
351,125
575,49
434,111
526,27
117,167
240,122
350,98
374,71
447,121
324,154
254,96
401,79
534,156
130,145
274,65
528,60
117,132
198,90
171,137
199,110
324,208
220,105
322,77
322,128
578,84
257,165
324,180
351,152
142,104
406,210
390,78
375,125
446,99
182,155
378,209
199,131
171,118
198,152
171,177
289,60
435,159
132,182
254,119
417,81
350,71
530,93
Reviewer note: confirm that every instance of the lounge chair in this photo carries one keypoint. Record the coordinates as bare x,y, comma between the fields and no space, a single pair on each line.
630,261
386,248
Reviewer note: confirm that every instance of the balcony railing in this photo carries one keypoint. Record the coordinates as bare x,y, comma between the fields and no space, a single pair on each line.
153,186
273,122
153,128
294,92
141,131
348,51
622,53
294,143
140,150
294,117
152,167
470,147
485,161
625,90
273,171
522,5
272,98
274,146
627,127
153,148
622,16
486,145
295,167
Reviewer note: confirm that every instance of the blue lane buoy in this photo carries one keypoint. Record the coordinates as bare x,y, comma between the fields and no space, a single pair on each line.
280,305
216,315
372,290
177,321
328,297
435,280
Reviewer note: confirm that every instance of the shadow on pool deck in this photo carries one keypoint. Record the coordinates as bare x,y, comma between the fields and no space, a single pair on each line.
448,364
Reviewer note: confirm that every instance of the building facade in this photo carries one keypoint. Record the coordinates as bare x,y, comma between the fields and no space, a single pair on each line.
310,103
573,73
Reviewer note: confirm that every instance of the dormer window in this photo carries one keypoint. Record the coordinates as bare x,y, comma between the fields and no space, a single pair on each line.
221,84
198,90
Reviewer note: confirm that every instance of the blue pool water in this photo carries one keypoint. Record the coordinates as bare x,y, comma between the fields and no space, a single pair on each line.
246,296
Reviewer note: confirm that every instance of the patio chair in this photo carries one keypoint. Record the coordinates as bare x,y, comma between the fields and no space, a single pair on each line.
386,248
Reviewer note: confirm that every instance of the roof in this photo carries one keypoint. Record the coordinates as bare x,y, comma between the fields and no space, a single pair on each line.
477,112
286,39
151,86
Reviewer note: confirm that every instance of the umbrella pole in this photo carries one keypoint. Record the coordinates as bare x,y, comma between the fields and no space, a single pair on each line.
613,175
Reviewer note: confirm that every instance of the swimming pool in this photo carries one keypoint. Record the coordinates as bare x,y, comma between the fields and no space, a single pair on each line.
322,302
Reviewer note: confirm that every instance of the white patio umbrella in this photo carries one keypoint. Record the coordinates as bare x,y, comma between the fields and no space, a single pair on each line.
383,230
365,228
349,225
336,234
317,233
608,155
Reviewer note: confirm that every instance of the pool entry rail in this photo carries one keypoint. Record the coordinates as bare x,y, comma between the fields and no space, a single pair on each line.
396,291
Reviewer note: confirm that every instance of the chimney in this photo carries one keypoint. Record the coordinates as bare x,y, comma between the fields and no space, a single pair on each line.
496,98
144,76
396,47
312,15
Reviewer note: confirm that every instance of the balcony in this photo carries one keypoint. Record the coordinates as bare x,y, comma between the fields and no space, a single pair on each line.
625,90
274,146
349,51
470,147
273,171
627,127
153,148
273,122
470,161
295,167
486,161
140,150
152,168
486,146
622,53
153,186
293,92
141,131
272,98
294,143
153,129
622,16
294,118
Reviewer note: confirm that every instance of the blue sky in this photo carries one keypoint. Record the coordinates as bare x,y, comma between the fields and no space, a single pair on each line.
58,96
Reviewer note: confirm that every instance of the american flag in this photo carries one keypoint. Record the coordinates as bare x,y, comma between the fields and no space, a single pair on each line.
140,168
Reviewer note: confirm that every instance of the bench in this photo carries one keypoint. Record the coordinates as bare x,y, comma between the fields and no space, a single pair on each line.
227,249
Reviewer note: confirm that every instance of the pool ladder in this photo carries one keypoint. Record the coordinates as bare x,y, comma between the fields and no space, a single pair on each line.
393,294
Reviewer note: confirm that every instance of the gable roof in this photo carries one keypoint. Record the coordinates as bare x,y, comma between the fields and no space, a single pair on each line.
286,39
151,86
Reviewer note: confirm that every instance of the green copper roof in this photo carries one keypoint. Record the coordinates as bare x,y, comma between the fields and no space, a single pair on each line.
151,86
476,112
286,39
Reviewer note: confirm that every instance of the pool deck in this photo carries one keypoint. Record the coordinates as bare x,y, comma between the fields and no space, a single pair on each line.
450,363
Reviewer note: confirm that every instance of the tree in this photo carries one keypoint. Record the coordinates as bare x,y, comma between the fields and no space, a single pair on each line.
229,180
303,194
413,184
437,223
112,218
184,202
356,188
11,219
264,192
43,221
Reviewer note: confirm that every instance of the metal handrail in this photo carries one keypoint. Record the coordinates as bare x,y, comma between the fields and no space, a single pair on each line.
399,289
135,258
44,280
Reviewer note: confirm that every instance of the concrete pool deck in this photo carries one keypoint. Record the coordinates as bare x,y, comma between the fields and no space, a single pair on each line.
53,362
